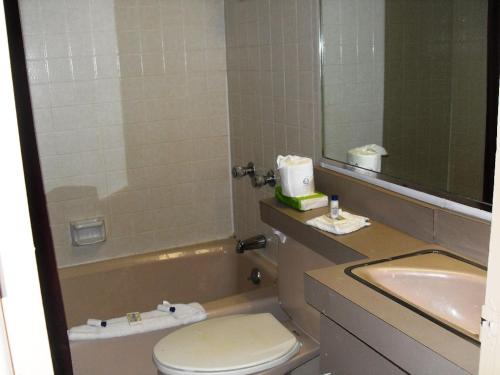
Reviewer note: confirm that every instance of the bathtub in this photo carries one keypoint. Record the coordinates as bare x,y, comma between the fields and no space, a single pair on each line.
210,273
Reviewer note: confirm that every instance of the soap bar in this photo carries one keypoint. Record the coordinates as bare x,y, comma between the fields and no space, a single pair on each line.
305,203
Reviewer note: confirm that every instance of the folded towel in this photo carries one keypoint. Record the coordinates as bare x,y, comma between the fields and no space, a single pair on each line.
346,223
151,321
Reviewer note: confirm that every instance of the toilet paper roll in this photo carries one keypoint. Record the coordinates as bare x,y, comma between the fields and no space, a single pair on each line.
296,174
368,157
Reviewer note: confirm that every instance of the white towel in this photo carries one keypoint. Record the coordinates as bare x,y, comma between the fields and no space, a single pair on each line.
151,321
346,224
181,311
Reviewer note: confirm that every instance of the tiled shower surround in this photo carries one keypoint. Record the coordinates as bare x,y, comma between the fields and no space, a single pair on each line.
131,112
272,65
130,107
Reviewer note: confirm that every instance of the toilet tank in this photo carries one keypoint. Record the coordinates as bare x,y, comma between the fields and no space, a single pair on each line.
294,259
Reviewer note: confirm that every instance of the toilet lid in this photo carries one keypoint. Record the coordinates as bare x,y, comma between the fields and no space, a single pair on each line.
234,344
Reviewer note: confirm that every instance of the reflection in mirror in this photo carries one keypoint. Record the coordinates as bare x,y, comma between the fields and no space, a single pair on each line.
411,76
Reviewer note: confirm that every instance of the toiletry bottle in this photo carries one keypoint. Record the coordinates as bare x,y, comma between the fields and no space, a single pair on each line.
334,207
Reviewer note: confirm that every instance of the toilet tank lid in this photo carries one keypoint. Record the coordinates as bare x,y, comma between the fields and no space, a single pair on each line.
227,343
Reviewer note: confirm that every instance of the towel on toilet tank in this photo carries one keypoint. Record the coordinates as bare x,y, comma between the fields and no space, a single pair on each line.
151,321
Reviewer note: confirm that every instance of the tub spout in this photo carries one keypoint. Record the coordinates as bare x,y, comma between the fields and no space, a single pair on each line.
252,243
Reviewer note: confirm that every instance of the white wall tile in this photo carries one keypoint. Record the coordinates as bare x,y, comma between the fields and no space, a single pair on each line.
35,48
107,66
84,68
38,71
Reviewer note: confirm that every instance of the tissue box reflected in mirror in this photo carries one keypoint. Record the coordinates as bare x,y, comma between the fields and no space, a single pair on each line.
368,157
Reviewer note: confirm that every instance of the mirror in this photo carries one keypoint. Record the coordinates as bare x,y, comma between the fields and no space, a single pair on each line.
410,77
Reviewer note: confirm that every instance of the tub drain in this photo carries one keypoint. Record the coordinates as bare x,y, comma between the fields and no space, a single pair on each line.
255,276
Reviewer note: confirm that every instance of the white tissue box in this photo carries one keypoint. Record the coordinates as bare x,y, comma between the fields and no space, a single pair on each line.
296,175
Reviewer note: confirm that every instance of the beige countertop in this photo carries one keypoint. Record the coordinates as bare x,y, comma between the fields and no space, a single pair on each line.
377,241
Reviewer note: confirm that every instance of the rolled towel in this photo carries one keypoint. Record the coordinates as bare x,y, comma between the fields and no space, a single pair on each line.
97,323
151,321
182,311
346,223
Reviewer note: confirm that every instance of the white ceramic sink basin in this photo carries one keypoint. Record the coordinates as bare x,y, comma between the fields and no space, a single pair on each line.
444,288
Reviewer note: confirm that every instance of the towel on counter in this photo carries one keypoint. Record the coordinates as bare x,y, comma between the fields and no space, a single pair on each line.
346,223
154,320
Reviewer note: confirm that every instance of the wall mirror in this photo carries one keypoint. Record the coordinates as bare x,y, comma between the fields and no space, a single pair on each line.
419,80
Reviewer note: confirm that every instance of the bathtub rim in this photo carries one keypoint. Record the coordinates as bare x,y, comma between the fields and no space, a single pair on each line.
217,247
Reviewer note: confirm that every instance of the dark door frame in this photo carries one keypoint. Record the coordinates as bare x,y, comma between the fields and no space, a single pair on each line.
42,238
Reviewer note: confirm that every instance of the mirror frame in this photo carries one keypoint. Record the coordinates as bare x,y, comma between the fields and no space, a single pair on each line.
469,206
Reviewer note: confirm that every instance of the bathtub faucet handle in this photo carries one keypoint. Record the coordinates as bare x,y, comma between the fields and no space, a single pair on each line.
240,171
252,243
268,179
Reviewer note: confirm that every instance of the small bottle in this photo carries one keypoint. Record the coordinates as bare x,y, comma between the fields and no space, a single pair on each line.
334,207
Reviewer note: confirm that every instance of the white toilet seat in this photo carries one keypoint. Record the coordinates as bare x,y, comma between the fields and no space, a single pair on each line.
230,345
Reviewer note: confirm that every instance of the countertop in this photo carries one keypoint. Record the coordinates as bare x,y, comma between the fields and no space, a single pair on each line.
377,241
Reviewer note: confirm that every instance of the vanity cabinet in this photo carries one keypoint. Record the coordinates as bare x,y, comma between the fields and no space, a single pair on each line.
344,354
366,347
360,330
294,260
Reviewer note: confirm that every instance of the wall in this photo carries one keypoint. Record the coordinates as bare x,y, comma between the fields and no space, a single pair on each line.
463,234
273,93
130,107
417,93
468,92
353,74
435,94
262,64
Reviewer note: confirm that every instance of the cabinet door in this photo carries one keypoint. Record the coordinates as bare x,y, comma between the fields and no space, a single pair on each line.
344,354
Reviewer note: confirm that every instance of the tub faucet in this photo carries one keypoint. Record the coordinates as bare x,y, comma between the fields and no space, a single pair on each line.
252,243
240,171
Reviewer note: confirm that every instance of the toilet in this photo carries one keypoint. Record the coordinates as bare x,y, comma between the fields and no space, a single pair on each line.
234,344
255,343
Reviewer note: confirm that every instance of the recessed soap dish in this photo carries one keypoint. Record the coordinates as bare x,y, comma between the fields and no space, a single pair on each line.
88,231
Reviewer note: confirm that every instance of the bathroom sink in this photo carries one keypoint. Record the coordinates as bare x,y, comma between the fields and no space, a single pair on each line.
438,285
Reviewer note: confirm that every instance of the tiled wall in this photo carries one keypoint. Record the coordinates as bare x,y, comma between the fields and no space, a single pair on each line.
272,65
435,95
417,95
130,107
353,74
468,92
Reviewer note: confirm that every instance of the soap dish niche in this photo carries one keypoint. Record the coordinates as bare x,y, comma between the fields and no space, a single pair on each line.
88,231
